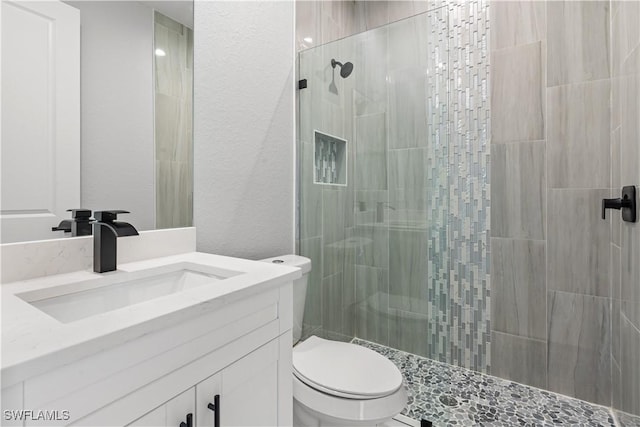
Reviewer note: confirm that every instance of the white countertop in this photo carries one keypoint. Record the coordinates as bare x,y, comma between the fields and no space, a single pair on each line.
34,342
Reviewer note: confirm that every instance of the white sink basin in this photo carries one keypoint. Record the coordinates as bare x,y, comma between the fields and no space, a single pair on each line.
68,303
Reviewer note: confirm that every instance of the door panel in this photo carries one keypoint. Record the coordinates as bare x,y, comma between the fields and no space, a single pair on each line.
40,146
205,393
180,406
171,414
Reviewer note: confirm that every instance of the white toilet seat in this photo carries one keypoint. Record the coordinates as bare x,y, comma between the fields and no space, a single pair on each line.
344,369
342,381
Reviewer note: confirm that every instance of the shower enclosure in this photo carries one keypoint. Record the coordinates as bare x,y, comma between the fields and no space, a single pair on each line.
393,185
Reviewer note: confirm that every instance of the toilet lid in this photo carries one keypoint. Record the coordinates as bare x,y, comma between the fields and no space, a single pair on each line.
344,369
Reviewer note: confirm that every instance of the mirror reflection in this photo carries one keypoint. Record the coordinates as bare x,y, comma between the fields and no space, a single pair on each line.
96,114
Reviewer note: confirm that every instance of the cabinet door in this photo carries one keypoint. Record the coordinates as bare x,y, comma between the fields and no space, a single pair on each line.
206,392
248,391
171,414
155,418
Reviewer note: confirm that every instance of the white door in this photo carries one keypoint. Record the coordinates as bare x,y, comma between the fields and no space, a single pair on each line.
40,145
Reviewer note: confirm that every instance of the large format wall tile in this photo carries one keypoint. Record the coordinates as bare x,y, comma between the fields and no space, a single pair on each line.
625,35
518,294
372,244
630,367
407,331
515,23
615,329
310,219
407,182
630,272
616,220
579,355
371,152
312,249
616,385
517,94
174,198
630,130
372,304
578,41
578,134
578,242
407,109
616,271
332,312
519,359
518,201
408,272
337,214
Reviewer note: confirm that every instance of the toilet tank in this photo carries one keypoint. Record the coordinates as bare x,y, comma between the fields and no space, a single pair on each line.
299,288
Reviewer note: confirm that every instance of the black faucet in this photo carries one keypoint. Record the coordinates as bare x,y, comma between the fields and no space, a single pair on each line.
106,231
79,225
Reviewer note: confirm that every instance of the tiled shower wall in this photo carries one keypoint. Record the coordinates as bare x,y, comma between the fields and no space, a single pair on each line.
173,123
625,237
400,254
565,116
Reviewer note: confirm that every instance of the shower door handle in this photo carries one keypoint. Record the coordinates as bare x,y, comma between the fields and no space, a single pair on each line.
626,203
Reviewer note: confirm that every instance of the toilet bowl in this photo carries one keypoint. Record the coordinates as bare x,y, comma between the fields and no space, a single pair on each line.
337,383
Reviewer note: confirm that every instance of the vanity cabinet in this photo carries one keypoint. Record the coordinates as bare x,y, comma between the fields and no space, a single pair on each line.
248,383
239,349
245,391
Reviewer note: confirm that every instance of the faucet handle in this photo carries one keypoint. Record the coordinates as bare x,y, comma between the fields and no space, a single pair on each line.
108,216
82,214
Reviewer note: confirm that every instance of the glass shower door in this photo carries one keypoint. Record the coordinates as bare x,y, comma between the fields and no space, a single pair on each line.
373,186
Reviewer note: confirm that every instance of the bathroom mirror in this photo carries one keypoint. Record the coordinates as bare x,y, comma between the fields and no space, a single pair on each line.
96,113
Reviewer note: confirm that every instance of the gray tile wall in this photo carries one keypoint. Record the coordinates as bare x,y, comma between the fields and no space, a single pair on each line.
625,237
320,22
173,123
519,191
566,293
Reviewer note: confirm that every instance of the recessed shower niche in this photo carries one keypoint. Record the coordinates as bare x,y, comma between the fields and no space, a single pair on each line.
329,159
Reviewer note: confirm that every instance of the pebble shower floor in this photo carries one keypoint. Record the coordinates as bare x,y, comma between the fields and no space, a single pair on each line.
449,395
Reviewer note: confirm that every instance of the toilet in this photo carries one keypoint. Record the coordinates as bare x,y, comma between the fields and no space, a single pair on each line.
337,383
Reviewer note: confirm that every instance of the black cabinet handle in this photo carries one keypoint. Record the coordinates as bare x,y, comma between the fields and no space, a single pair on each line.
215,407
189,422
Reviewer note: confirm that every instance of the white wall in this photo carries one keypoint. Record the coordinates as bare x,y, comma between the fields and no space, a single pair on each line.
243,129
118,166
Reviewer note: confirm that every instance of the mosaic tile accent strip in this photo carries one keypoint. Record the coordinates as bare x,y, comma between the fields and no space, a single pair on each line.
468,222
449,395
439,304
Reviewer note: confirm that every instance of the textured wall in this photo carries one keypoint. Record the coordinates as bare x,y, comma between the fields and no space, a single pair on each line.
565,135
243,128
118,168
